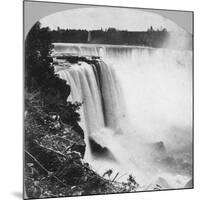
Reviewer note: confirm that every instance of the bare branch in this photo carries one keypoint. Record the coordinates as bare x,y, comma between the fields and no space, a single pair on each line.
47,171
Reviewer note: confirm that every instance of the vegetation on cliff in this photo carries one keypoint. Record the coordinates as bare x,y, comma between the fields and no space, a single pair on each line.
54,141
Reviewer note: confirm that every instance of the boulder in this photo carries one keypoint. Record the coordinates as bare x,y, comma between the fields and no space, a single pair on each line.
99,151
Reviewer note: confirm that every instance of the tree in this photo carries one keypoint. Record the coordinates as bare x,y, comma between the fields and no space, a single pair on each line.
39,71
37,57
40,77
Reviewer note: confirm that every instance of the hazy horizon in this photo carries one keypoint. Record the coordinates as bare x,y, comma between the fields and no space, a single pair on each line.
106,17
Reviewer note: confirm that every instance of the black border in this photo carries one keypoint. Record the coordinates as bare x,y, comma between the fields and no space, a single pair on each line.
23,97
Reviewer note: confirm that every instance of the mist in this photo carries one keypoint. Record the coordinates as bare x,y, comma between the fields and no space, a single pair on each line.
147,96
157,85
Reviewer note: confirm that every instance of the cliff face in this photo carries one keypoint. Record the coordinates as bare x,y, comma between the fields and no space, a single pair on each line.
54,164
54,144
54,152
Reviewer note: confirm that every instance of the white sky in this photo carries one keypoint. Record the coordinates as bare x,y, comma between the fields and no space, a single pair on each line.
104,17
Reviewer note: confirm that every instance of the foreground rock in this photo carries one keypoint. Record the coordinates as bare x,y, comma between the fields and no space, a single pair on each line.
54,165
101,152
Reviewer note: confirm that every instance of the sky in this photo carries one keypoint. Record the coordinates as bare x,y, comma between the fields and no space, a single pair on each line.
105,17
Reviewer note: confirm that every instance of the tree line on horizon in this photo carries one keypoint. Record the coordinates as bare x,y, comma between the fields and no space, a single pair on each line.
151,37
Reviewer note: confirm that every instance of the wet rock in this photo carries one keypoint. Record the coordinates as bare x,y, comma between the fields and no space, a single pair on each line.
100,151
74,59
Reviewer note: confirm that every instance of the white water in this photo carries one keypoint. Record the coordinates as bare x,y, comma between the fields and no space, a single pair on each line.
137,96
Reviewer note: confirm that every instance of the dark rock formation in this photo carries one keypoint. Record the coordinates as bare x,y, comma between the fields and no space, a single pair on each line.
57,148
75,59
99,151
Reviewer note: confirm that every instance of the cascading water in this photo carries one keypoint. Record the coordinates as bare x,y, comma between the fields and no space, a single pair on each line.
102,104
134,96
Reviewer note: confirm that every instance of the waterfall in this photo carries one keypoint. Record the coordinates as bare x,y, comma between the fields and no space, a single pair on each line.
97,87
132,96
